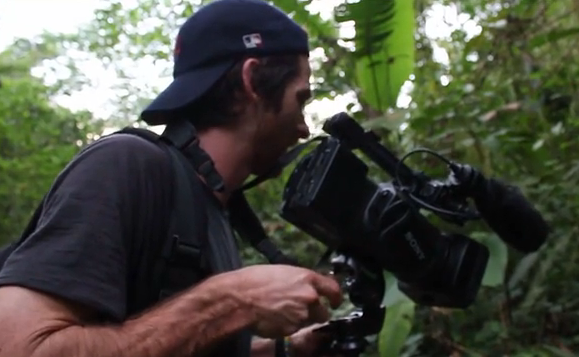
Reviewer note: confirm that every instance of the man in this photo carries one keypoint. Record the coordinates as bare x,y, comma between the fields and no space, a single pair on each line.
72,287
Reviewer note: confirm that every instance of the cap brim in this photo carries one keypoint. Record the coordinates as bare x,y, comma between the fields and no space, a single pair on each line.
184,89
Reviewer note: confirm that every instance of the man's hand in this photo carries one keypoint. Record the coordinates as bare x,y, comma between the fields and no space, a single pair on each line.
282,298
304,343
307,342
310,343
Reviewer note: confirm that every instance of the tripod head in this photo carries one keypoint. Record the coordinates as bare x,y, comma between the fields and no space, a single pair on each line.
365,287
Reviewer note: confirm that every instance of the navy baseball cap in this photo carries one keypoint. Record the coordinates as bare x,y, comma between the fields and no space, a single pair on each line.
213,39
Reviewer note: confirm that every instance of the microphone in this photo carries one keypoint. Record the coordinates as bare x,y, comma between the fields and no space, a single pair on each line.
505,209
511,215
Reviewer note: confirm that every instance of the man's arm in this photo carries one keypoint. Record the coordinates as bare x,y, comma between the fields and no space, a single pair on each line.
35,324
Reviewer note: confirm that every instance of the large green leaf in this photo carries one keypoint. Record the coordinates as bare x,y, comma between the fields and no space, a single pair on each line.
498,258
397,326
384,47
399,317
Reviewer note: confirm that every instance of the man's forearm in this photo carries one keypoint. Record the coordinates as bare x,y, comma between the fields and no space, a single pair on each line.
185,325
262,347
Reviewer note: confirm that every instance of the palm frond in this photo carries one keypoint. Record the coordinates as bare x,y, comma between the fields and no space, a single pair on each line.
383,47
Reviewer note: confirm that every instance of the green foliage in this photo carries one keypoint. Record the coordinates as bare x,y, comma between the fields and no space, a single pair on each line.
37,138
499,113
398,322
383,47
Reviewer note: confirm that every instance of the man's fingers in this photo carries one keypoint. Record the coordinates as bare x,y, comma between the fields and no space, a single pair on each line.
318,313
329,288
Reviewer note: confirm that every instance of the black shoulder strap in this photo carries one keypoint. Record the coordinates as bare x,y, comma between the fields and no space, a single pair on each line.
182,134
182,262
247,224
188,232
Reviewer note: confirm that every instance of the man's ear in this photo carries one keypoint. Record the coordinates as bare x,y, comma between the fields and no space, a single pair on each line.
247,71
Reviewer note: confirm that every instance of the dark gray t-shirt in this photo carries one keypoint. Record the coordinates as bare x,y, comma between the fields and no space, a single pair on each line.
226,258
102,227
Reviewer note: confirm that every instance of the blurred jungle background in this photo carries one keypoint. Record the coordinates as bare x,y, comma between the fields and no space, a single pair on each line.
492,83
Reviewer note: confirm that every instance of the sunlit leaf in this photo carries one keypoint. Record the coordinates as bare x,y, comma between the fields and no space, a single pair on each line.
384,45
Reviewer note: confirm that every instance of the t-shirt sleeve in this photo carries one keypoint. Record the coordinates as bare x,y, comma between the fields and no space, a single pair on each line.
79,250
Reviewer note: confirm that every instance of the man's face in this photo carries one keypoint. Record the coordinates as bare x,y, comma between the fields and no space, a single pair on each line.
278,131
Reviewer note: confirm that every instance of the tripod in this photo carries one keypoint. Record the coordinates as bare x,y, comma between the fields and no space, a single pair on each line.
366,289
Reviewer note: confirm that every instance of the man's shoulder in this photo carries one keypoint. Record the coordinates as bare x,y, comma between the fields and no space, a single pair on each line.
127,144
119,159
123,152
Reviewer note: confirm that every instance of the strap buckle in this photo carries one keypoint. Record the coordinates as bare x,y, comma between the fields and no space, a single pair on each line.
182,254
183,135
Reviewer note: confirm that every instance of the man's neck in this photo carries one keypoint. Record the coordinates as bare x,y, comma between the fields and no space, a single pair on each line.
230,157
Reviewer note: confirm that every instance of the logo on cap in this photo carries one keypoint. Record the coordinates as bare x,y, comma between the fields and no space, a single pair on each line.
252,40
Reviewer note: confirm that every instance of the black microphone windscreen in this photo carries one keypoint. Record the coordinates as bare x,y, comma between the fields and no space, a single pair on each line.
512,216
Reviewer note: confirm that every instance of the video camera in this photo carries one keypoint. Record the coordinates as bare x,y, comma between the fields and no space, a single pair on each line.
378,226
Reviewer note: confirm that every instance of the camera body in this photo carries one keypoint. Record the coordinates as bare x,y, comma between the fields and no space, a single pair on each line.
330,197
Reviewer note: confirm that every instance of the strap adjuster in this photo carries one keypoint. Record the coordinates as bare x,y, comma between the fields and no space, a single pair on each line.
183,135
180,253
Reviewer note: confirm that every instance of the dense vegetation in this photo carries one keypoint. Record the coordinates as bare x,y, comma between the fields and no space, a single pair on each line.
503,100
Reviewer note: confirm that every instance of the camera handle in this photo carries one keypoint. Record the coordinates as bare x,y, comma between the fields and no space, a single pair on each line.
365,287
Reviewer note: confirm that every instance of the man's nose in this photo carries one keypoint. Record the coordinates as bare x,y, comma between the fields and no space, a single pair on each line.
303,131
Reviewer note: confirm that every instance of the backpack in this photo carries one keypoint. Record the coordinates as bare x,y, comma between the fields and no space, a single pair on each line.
186,241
